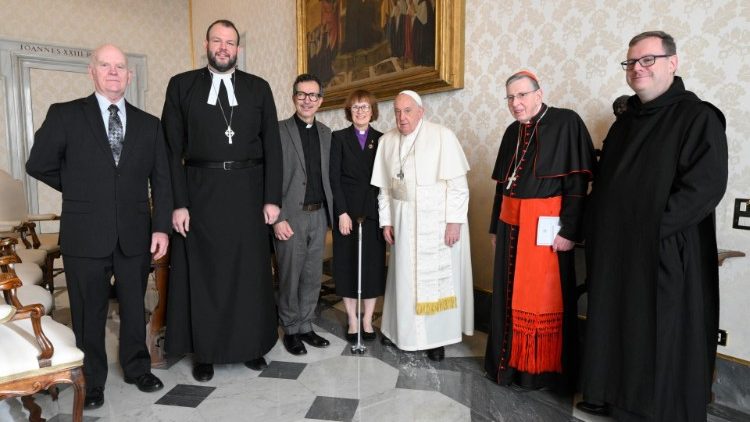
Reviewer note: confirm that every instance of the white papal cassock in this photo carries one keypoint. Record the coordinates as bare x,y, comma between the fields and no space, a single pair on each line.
428,296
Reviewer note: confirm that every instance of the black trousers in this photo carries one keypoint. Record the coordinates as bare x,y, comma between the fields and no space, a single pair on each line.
88,281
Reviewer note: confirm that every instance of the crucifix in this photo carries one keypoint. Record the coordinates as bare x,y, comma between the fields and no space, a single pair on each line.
511,179
229,133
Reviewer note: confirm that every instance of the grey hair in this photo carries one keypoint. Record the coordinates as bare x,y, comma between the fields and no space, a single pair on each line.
667,42
521,75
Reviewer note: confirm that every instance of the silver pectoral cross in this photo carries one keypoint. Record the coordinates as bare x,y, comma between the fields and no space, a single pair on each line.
511,179
229,133
400,175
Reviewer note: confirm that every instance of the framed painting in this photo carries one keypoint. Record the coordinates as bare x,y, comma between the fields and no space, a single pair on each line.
384,46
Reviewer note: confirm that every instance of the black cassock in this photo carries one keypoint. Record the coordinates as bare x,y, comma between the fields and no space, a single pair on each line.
350,173
560,161
221,305
653,304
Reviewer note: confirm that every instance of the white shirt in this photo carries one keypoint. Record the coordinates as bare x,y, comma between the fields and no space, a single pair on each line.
104,104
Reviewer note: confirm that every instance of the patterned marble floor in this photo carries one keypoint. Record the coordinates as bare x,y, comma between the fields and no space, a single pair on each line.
331,384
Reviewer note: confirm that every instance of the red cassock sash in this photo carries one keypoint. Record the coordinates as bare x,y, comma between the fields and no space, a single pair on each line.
537,306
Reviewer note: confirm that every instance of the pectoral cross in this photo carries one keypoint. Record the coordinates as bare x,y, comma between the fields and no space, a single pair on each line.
511,179
400,175
229,133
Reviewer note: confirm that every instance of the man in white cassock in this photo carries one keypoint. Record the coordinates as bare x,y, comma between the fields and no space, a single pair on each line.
420,169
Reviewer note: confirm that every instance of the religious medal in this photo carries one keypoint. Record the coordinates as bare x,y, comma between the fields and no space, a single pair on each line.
229,133
370,146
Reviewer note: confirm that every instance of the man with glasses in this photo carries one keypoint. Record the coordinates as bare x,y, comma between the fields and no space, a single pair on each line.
223,137
653,299
543,168
305,215
421,170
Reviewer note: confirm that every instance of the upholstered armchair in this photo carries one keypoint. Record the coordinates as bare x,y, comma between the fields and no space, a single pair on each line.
35,352
30,275
14,218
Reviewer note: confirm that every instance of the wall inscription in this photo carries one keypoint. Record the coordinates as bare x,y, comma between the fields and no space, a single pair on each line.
56,51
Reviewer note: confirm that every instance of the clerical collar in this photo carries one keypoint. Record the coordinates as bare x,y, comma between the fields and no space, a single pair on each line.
410,137
537,116
303,124
216,80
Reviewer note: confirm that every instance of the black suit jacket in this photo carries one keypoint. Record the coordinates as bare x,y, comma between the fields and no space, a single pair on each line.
351,171
103,203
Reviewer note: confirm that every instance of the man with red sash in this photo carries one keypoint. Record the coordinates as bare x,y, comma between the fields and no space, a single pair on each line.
542,171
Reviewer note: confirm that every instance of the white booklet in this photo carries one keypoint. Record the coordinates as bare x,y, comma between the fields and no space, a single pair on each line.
546,230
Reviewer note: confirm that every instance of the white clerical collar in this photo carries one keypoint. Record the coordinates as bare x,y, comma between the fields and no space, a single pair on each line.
410,137
408,140
216,79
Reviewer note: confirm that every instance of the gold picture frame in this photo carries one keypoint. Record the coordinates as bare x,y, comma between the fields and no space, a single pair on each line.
324,46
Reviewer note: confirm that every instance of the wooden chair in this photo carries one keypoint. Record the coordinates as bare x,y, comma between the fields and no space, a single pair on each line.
14,217
36,352
30,275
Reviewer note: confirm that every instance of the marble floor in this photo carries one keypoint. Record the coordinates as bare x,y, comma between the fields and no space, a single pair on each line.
330,384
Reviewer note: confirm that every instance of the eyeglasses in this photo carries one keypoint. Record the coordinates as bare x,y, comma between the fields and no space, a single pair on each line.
312,96
645,61
363,108
519,96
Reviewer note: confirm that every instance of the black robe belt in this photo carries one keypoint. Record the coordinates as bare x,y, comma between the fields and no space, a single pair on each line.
225,165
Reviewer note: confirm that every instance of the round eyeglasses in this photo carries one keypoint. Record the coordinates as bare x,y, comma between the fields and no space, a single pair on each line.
645,61
363,108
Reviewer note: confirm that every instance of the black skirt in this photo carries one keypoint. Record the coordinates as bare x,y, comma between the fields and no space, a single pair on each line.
345,251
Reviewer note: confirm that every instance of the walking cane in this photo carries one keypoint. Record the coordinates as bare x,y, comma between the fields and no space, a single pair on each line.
359,348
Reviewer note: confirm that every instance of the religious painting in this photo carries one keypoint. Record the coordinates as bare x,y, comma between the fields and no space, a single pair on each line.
383,46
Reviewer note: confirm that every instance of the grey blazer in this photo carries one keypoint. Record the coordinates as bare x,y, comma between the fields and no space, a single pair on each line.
295,173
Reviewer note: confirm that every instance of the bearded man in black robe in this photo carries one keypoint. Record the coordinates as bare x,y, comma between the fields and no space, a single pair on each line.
653,294
542,171
223,139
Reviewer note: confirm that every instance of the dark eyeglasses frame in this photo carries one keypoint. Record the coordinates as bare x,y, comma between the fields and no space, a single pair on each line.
645,61
312,96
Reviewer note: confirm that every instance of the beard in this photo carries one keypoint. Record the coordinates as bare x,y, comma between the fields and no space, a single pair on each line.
219,67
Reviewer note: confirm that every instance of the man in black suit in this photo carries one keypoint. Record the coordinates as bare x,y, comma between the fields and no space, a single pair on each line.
101,153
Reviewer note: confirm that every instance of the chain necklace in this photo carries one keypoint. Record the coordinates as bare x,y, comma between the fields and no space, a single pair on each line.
401,161
513,176
229,133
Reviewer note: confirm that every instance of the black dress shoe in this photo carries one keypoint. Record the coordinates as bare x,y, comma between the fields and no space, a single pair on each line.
203,372
369,335
437,354
94,398
148,382
313,339
592,408
294,345
258,364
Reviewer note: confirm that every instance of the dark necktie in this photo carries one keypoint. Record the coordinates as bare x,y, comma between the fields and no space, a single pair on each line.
115,133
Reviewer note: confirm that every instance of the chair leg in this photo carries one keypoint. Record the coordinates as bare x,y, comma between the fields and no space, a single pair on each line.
49,278
53,392
79,384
